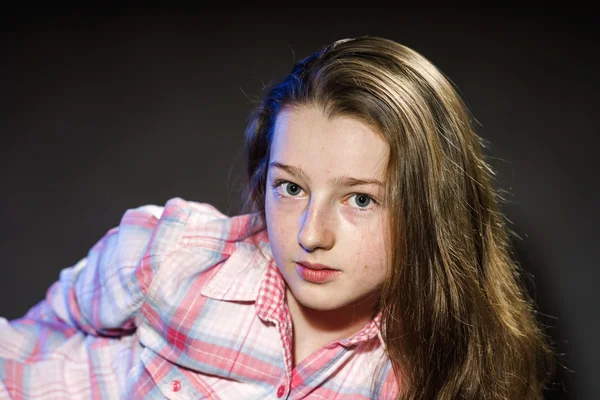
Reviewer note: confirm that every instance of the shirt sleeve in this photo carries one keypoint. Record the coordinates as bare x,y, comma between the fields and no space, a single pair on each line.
102,293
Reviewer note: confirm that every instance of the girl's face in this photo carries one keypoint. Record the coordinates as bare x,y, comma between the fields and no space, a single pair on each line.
325,218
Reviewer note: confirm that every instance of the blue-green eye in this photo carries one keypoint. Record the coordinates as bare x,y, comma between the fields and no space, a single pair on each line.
287,189
292,189
362,200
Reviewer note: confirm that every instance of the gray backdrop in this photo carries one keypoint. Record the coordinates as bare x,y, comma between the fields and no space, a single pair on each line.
101,112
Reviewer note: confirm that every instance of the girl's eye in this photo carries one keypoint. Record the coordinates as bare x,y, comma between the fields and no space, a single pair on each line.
362,200
291,188
287,189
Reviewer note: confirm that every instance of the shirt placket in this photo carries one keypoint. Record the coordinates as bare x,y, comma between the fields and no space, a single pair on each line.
272,308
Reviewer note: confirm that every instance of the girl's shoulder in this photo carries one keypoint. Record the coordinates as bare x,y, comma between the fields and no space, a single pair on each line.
186,223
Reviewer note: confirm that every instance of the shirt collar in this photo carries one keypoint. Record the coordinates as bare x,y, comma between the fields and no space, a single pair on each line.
240,276
368,332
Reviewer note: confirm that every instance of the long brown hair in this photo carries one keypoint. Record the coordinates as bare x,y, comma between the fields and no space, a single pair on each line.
457,322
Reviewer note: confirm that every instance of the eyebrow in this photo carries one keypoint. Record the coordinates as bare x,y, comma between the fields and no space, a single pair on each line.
337,181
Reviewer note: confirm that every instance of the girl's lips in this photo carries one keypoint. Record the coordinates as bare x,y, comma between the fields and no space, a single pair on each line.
320,275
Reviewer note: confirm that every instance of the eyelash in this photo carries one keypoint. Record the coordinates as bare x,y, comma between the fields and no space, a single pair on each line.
280,182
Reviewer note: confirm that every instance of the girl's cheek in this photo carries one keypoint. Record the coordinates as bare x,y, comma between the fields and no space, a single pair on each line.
357,217
286,204
372,226
349,215
285,208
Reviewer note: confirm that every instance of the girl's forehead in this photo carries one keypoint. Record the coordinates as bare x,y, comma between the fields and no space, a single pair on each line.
309,124
307,137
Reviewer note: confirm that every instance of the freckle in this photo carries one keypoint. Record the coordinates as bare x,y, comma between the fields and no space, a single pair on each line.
366,266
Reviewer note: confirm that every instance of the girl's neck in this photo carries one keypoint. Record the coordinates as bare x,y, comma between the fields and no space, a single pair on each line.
313,329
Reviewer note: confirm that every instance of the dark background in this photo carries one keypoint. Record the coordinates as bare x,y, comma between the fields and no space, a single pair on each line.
107,110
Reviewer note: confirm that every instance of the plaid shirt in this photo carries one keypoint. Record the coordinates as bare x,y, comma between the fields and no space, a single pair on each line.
179,302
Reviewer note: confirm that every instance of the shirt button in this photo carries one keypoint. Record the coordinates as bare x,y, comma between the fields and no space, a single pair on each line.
176,385
280,391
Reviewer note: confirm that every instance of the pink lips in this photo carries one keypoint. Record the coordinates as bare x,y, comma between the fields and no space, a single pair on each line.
316,273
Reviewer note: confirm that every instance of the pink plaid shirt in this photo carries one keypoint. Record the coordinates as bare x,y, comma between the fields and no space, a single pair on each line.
179,302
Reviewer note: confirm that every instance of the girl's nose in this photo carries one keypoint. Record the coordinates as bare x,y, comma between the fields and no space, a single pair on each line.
316,228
